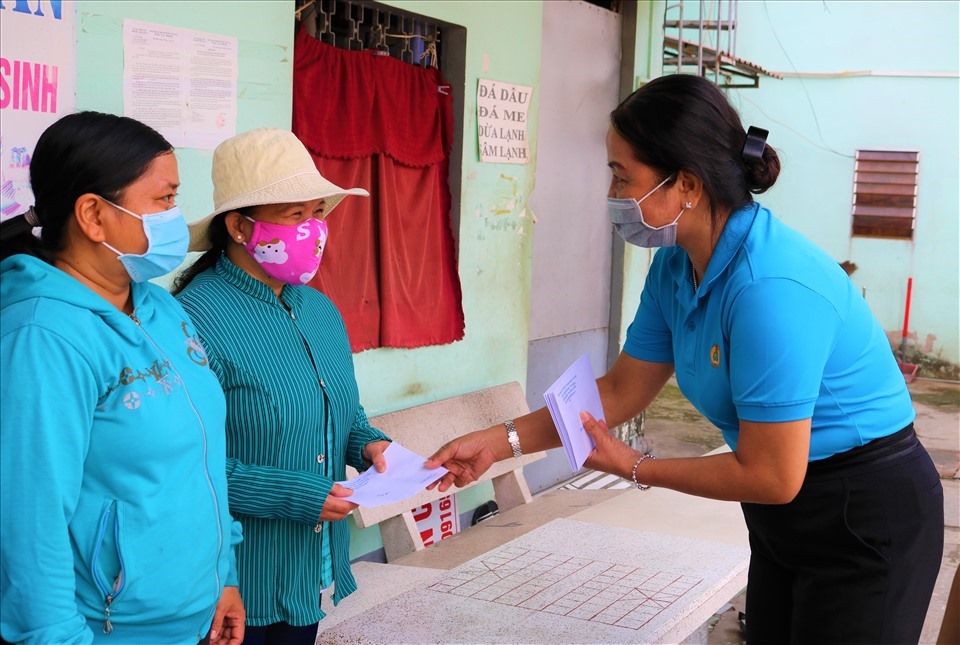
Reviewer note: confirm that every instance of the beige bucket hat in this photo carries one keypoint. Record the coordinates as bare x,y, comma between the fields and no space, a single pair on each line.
264,166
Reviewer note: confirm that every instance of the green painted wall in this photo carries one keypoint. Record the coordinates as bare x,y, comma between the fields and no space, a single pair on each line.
264,30
817,124
494,235
495,242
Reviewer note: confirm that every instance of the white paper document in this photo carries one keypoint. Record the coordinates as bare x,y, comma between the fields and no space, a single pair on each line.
574,391
181,82
502,110
405,477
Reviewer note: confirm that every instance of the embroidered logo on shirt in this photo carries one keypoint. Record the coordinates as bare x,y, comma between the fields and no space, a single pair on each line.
131,400
195,350
715,356
156,378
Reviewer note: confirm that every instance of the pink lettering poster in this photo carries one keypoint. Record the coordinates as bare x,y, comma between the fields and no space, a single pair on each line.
37,87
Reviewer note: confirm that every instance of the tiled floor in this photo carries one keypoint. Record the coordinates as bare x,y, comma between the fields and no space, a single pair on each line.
938,417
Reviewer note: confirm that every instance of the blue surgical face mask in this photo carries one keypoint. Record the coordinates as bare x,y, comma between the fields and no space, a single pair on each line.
627,218
167,240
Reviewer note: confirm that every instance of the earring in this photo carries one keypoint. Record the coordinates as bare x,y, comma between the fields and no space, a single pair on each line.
239,237
688,205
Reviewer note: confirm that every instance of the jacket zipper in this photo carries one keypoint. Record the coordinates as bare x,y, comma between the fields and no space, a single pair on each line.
118,583
203,433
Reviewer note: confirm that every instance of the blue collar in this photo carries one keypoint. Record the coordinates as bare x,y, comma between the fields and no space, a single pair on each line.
734,233
732,237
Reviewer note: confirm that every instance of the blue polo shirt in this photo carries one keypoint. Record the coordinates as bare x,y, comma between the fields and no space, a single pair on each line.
776,332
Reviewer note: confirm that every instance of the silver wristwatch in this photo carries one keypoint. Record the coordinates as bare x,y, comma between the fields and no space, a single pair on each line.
513,438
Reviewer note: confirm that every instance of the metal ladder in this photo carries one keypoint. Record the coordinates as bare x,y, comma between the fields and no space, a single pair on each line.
686,25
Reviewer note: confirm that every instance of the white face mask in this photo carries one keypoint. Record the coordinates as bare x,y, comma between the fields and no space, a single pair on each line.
627,218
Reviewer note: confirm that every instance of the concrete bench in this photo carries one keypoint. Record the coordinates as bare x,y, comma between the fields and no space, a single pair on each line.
605,538
618,543
425,428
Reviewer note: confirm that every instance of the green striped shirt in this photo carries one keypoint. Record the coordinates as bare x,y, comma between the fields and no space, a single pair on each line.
294,421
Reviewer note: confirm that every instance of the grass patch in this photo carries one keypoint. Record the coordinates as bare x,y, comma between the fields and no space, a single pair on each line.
938,397
671,405
931,365
708,440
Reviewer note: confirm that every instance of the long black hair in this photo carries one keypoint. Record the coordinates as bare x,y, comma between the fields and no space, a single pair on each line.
219,238
684,122
86,152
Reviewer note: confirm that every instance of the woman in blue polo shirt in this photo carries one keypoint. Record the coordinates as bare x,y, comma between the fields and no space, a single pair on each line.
771,342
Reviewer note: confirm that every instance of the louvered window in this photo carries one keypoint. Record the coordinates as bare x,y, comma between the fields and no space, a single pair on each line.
885,193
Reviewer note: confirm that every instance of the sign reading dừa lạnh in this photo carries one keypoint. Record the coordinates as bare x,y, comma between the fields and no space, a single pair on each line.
502,110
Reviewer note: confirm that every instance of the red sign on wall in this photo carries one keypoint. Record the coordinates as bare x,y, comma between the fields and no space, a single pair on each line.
437,520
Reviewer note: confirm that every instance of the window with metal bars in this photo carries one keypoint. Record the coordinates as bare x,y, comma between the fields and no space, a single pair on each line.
410,37
362,24
885,193
389,127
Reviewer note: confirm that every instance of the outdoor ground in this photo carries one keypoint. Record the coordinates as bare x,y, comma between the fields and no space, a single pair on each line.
676,429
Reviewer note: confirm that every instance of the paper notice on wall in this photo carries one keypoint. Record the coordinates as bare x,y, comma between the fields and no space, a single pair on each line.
181,82
38,82
502,110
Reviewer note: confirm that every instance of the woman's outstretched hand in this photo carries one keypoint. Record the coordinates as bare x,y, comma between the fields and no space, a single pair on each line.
610,454
466,457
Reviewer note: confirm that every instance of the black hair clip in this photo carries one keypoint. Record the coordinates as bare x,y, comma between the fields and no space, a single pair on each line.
755,143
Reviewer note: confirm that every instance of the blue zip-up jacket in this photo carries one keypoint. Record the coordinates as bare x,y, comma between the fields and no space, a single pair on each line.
113,495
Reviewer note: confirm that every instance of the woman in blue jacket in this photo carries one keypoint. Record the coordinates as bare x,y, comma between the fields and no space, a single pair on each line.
772,343
114,518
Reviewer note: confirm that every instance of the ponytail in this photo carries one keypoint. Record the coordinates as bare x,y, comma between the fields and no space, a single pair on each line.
16,236
86,152
217,233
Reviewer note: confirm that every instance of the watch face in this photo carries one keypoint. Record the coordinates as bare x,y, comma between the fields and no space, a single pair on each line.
513,438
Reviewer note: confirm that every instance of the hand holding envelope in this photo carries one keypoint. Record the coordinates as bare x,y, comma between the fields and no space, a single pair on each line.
574,392
404,477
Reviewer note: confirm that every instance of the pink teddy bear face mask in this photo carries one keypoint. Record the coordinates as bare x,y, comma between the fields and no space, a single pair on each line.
288,253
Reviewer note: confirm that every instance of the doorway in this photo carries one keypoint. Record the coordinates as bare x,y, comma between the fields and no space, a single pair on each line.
571,267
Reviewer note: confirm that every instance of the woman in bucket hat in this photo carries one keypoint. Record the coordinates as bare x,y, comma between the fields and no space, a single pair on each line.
280,350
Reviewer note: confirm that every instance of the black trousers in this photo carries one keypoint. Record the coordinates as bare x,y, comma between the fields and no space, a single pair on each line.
281,634
854,557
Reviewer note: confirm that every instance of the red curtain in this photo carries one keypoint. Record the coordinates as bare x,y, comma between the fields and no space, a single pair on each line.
384,125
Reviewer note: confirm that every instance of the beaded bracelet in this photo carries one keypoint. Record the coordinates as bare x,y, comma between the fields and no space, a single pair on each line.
633,475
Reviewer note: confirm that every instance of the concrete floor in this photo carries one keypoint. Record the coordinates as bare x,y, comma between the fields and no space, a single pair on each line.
675,429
